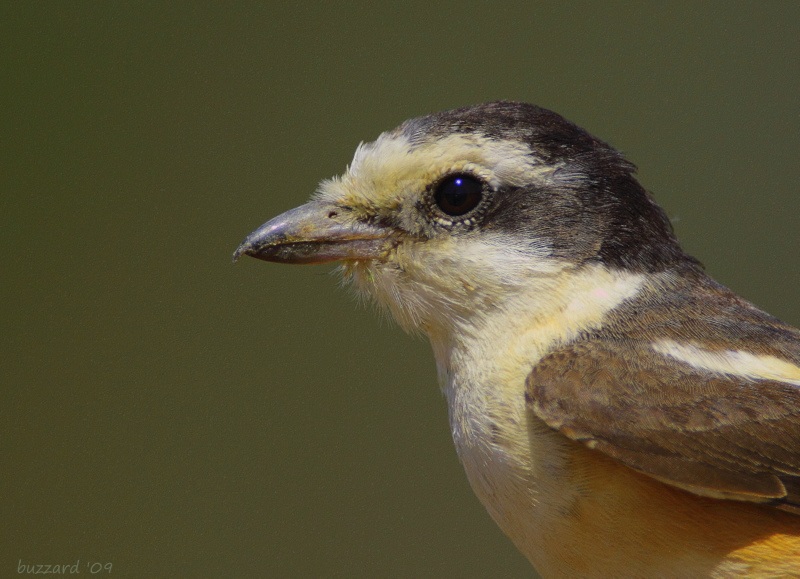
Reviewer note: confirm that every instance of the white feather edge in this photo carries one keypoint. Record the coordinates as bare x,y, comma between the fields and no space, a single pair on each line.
737,363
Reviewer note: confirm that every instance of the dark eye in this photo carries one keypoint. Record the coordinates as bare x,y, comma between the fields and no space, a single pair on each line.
458,194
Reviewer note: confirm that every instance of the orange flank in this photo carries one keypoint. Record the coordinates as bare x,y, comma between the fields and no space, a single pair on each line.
625,524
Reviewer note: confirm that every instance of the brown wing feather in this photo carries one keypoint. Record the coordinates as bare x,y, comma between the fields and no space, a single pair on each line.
712,434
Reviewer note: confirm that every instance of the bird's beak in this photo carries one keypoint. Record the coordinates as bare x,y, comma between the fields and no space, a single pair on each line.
317,232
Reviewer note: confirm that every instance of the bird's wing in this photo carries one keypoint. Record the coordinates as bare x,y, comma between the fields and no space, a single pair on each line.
725,435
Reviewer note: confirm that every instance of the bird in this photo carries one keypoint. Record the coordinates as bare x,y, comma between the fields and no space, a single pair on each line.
617,411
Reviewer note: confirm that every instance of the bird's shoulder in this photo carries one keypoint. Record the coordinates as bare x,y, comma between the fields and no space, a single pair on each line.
687,383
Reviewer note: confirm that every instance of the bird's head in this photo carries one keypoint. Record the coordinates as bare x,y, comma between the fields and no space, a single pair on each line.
452,215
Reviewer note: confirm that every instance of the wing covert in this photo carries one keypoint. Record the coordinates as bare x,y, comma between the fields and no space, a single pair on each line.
714,434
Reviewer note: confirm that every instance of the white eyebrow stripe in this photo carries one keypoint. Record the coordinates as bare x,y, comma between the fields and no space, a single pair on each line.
385,162
731,362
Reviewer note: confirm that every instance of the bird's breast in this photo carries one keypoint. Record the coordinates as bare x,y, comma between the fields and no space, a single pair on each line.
571,510
575,512
517,466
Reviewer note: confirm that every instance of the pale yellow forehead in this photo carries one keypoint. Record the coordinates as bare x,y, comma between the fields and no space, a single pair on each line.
385,172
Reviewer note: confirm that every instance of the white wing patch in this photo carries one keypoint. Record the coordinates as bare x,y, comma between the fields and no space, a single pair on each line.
731,362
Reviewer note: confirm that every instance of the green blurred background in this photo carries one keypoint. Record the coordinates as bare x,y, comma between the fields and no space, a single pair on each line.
178,416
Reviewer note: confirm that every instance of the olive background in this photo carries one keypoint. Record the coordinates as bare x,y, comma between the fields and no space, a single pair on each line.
175,415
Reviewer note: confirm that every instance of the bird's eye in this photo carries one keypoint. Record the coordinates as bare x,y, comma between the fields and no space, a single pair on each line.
458,194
